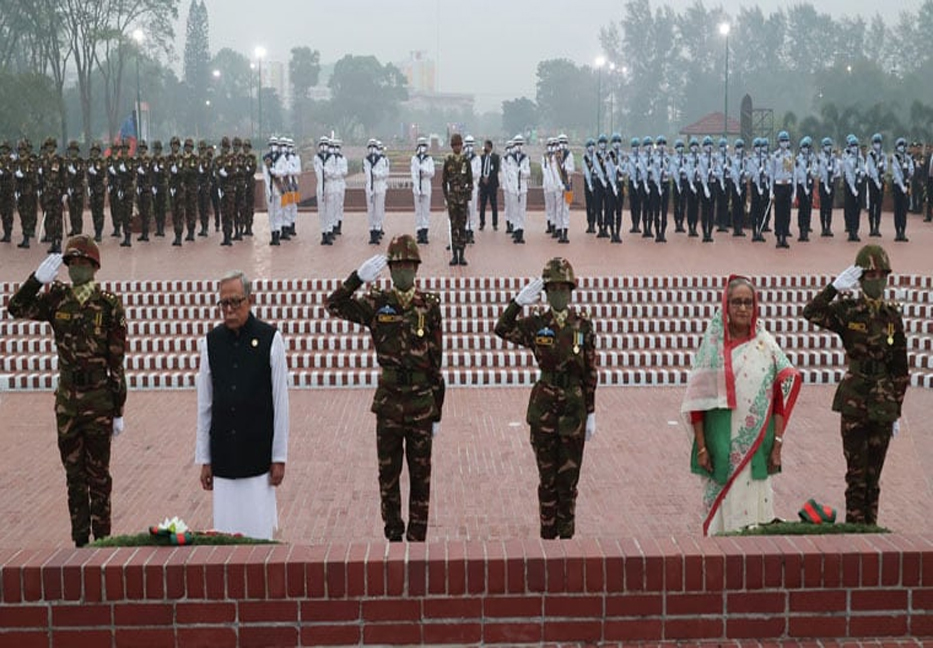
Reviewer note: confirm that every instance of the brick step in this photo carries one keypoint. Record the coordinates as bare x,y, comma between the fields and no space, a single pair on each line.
507,283
453,326
817,341
647,376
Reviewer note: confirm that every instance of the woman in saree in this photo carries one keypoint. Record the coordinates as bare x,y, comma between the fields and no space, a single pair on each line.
741,391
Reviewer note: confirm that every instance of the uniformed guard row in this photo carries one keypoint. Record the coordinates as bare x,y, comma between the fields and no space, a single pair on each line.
185,183
711,187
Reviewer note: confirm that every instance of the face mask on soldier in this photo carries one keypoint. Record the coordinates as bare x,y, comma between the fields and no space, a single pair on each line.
558,296
403,278
874,288
80,274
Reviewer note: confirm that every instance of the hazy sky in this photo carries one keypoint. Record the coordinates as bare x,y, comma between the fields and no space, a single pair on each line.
489,48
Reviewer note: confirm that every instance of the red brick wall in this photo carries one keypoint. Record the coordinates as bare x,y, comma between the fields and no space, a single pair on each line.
470,592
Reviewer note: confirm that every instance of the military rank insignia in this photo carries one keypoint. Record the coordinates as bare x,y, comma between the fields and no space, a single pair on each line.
544,337
387,315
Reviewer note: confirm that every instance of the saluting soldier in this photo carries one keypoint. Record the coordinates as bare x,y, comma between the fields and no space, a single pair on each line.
871,394
7,191
89,326
75,168
407,333
96,189
457,184
143,166
562,407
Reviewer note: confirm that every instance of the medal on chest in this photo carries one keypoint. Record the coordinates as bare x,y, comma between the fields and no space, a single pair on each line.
890,334
420,330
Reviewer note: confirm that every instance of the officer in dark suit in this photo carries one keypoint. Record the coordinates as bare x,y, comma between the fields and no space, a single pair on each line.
489,185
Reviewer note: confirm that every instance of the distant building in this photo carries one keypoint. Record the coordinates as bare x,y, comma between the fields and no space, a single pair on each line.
419,71
275,76
441,101
712,124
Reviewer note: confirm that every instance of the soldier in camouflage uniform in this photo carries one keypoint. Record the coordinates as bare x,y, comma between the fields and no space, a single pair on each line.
226,172
239,187
457,183
144,164
249,172
122,187
190,183
7,191
159,189
871,393
561,410
26,172
52,182
74,185
407,334
90,332
174,165
205,170
96,190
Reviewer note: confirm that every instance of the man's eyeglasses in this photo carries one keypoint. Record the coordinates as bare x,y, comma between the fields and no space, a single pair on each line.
231,303
742,303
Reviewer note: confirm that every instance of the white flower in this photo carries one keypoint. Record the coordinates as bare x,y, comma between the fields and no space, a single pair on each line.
175,525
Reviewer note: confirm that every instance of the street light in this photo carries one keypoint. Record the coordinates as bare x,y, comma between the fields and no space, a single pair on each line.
612,96
260,53
139,37
724,30
252,67
600,62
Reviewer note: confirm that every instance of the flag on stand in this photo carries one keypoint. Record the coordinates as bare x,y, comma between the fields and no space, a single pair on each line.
128,133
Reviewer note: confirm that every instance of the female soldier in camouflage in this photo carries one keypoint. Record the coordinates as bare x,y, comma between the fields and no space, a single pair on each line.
871,393
407,333
562,407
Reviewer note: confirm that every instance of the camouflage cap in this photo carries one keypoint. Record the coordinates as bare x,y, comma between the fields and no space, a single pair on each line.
50,142
25,143
82,246
74,146
202,144
189,143
96,146
247,144
873,257
174,141
4,145
559,270
237,142
157,145
142,146
403,248
225,142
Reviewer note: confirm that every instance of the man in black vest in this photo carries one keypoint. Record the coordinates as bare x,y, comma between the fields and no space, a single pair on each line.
242,441
489,185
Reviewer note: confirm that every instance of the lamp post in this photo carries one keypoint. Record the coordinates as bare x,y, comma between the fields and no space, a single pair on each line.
252,67
599,62
139,37
260,53
612,97
724,30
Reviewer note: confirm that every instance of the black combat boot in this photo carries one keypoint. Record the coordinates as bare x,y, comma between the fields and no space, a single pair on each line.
144,236
325,239
460,259
25,244
337,229
56,247
275,239
455,259
519,236
203,230
283,235
190,236
116,232
7,236
373,237
98,236
160,230
126,239
227,241
508,227
177,241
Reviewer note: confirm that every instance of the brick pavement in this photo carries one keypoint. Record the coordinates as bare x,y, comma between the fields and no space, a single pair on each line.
484,471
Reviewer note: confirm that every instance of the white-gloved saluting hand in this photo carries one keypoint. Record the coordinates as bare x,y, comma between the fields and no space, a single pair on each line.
590,425
372,267
117,425
848,278
530,293
47,270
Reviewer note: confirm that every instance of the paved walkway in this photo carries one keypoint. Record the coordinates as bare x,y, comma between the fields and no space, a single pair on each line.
634,477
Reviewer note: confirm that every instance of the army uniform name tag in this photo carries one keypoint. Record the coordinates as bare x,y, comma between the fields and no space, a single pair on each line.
858,326
61,315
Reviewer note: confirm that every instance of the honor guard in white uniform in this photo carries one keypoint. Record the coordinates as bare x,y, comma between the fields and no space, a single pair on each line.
422,171
476,166
853,168
271,170
782,188
294,172
902,172
320,160
565,169
830,170
548,184
678,170
342,172
332,193
737,174
806,170
376,174
520,178
876,165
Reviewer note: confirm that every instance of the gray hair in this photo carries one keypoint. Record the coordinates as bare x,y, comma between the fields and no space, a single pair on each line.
238,275
740,281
